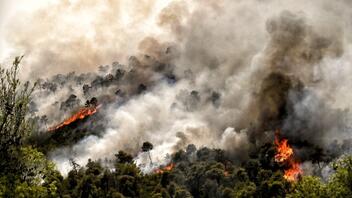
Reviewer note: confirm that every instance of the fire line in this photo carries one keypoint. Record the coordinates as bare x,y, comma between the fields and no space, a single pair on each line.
80,115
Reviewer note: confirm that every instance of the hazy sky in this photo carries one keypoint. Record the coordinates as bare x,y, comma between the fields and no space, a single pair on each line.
4,11
104,31
10,9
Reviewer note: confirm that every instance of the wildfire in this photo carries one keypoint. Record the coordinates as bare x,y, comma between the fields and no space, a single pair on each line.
164,169
81,114
285,155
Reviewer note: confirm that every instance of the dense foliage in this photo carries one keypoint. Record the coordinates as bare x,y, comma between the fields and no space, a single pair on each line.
203,172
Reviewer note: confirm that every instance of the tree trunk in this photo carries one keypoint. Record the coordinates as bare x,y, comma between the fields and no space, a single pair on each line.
151,162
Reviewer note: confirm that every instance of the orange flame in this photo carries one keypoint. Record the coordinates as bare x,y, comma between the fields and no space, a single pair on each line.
285,155
164,169
81,114
284,151
226,173
293,172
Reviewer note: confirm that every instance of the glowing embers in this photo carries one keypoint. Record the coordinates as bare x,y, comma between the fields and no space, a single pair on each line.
80,115
164,169
285,155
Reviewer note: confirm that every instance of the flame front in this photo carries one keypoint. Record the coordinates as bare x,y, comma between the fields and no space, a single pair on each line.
81,114
284,154
166,168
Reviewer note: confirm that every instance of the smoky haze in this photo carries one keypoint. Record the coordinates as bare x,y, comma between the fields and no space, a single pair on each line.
221,74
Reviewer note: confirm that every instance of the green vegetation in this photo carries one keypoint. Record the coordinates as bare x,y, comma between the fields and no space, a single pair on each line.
203,173
24,172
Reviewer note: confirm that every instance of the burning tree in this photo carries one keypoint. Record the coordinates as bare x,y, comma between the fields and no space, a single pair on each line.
285,155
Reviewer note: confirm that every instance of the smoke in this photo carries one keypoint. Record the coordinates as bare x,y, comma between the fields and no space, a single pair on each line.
191,72
66,36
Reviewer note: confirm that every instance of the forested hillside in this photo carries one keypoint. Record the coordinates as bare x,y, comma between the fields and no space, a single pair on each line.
193,172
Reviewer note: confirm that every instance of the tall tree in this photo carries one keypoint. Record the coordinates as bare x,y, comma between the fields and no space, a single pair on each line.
147,147
14,127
